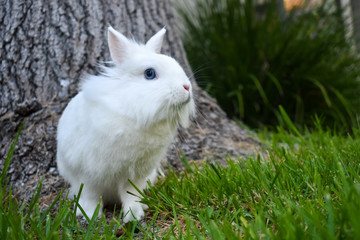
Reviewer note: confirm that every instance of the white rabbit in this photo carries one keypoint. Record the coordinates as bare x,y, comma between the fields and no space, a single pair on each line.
120,125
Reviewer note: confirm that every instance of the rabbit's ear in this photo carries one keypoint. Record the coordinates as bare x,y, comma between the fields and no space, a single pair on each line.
118,45
155,41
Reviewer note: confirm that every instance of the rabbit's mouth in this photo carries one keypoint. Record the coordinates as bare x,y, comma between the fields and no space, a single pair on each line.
183,103
188,99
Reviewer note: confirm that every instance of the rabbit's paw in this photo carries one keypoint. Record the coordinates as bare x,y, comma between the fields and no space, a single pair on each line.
144,206
89,206
133,211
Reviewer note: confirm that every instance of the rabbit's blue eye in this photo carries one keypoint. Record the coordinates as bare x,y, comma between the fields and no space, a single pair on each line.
150,74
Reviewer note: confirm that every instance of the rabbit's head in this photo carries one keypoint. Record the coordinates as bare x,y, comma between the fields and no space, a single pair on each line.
144,85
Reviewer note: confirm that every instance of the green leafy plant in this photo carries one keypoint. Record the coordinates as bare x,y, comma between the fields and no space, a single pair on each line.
253,59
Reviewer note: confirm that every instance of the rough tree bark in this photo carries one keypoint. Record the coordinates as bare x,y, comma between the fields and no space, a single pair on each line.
48,46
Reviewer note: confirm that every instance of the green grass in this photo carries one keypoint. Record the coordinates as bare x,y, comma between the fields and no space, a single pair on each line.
253,59
305,186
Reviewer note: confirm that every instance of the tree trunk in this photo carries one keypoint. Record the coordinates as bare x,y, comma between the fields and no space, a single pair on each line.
48,46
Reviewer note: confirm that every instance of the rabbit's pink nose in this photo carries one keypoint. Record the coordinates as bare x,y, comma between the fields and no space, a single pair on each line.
187,87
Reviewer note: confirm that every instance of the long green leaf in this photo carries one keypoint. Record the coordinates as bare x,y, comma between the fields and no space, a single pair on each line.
259,88
288,121
323,91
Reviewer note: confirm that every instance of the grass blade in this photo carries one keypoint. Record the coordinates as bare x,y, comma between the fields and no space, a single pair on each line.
10,153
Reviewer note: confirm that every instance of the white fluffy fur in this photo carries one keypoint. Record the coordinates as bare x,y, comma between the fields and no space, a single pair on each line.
120,125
